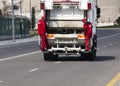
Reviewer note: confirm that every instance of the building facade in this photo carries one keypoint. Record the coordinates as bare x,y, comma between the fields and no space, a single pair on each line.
110,10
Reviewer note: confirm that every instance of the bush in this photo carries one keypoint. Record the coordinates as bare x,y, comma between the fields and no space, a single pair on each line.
33,32
118,21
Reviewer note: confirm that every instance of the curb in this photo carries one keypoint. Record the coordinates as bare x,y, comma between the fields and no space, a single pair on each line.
17,41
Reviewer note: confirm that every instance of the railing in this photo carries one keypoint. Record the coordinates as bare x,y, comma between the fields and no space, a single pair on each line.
22,27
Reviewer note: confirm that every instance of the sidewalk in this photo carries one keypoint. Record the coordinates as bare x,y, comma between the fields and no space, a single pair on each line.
10,42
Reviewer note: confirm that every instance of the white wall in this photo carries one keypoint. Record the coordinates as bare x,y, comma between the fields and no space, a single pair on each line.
110,10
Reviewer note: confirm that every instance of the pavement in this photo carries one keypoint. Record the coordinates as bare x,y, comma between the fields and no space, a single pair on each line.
17,41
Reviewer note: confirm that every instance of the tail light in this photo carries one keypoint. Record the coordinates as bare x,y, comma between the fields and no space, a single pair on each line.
89,5
50,36
81,36
42,6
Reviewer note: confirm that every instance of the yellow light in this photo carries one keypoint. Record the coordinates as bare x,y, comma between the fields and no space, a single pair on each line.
80,36
50,35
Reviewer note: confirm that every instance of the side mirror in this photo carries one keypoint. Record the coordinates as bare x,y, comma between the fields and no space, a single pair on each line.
98,12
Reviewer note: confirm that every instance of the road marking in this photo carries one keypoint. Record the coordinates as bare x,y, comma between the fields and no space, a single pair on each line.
58,62
13,57
20,48
98,48
115,42
110,44
33,70
104,46
1,82
6,46
108,36
114,80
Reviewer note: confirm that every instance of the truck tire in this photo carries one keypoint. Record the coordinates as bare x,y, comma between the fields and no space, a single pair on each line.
88,56
94,47
50,57
47,56
92,55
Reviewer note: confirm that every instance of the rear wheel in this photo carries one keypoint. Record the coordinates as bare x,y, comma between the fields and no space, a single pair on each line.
50,57
88,56
92,54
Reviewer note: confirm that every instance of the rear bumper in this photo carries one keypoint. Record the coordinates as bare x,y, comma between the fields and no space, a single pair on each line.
67,42
71,45
66,51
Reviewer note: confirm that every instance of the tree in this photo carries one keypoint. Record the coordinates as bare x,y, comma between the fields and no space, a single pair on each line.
118,21
0,12
98,12
5,7
33,17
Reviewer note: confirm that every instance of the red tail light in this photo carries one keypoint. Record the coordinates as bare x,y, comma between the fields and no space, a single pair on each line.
89,6
42,6
81,36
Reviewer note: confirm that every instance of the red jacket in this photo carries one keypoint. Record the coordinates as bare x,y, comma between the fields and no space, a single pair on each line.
87,28
41,27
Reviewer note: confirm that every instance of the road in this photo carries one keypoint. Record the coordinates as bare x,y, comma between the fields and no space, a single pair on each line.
23,65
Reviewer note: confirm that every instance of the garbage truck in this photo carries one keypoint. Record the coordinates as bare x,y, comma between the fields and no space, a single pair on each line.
65,32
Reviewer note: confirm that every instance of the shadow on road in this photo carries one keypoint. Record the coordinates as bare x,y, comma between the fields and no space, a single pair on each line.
78,58
104,58
70,58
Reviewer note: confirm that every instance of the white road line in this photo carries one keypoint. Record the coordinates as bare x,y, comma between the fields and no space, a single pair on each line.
6,46
33,70
13,57
58,62
20,48
98,48
108,36
110,44
115,42
1,82
104,46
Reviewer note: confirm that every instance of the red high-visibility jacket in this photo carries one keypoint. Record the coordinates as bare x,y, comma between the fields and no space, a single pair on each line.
88,29
88,33
41,27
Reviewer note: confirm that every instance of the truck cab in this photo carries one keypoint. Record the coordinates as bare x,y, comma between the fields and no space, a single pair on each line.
65,32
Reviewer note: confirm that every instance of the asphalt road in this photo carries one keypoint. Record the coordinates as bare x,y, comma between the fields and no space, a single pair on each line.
23,65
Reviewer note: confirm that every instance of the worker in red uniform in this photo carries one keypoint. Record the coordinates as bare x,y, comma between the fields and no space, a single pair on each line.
42,32
88,33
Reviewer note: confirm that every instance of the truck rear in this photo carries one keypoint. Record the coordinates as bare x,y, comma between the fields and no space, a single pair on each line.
65,31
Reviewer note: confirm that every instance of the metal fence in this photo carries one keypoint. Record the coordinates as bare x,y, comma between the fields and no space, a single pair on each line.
22,28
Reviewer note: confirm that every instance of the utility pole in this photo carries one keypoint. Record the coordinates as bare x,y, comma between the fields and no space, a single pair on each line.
21,20
13,23
30,15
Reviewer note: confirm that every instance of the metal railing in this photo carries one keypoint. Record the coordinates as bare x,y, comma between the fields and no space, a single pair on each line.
22,28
